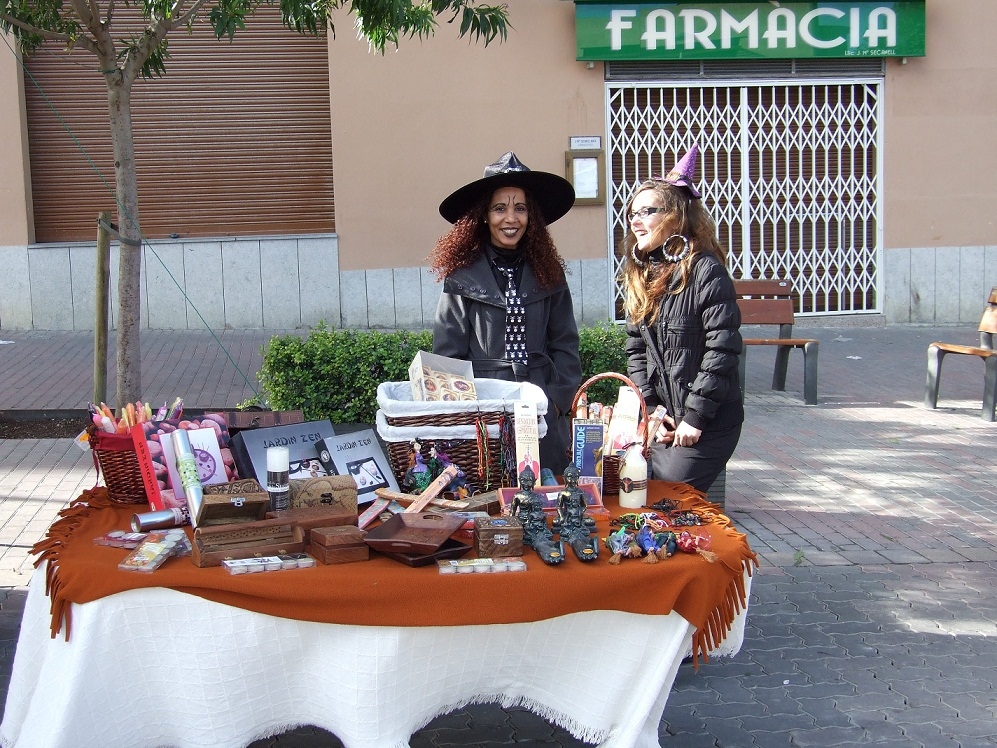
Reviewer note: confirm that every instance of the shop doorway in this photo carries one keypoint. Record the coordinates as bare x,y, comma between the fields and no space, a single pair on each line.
792,172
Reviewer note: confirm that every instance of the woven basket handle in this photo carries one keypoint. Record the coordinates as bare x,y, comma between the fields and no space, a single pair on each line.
642,424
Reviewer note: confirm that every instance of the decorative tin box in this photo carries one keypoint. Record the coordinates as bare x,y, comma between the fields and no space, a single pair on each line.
268,537
339,545
230,503
435,378
498,537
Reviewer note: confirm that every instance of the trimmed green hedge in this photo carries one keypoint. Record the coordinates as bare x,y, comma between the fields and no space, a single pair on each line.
602,349
334,373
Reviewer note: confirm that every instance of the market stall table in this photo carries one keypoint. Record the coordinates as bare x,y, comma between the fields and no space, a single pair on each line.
368,651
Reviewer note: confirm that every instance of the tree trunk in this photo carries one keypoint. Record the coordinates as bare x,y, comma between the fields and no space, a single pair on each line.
129,354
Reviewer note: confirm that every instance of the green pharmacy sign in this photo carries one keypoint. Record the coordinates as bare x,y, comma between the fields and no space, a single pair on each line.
752,30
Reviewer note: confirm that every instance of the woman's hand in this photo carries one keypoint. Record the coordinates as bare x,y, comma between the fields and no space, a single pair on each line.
666,431
686,435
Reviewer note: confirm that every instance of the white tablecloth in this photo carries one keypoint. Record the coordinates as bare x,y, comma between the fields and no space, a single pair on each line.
156,667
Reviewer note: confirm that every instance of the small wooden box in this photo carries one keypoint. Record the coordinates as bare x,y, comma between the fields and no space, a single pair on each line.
241,420
339,491
484,502
342,544
498,537
234,502
268,537
310,517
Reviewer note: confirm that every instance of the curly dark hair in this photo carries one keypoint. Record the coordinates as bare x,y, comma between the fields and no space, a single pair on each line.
465,242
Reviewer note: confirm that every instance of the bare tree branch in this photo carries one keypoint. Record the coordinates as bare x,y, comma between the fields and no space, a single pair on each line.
187,16
55,36
84,11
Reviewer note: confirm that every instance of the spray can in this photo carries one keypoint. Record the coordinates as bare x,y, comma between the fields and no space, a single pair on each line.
633,477
189,479
161,520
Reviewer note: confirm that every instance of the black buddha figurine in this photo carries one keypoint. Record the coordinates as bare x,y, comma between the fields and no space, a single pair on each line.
573,525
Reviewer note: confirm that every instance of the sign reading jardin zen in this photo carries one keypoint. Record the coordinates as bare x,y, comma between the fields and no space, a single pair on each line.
751,30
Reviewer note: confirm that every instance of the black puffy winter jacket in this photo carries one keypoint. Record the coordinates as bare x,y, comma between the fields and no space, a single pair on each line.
687,359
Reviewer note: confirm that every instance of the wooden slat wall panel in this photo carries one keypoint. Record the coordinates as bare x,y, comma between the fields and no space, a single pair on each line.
235,139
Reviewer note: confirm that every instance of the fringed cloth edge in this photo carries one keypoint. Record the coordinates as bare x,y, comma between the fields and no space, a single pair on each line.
49,550
54,549
721,618
718,624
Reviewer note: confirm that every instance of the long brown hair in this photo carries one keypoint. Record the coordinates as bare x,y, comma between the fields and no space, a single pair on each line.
466,241
645,286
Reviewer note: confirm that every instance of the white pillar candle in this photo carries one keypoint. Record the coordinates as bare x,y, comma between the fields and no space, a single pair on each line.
277,477
278,459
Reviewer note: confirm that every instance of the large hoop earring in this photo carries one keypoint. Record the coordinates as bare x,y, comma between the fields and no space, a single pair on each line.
637,260
681,255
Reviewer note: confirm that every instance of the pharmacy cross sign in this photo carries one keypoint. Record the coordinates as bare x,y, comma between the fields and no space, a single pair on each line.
747,30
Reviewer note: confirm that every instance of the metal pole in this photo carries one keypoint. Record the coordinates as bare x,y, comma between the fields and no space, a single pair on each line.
101,309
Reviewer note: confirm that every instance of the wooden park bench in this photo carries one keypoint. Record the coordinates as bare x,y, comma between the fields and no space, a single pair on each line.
770,302
986,351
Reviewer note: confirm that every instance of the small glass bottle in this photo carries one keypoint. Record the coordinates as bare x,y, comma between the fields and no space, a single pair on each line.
633,477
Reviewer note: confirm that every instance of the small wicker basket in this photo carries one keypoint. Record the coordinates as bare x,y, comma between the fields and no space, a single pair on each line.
483,467
114,456
470,433
611,463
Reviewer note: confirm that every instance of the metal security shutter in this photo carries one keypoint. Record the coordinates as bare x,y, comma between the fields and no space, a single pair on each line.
790,171
235,139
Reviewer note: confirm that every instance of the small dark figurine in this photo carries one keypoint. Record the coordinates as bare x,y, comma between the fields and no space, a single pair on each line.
528,508
458,487
417,477
572,524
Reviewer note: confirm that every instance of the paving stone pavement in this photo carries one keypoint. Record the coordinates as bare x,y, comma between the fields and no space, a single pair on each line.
873,614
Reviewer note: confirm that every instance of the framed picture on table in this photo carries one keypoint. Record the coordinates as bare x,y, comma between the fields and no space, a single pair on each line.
593,501
360,456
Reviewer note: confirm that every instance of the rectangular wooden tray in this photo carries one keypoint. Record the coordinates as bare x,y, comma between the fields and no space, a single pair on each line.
416,532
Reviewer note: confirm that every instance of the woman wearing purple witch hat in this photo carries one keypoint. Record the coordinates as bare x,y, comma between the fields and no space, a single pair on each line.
505,305
683,327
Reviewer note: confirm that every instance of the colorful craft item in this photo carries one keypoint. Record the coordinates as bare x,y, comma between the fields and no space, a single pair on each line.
689,543
618,542
685,519
648,544
667,544
130,415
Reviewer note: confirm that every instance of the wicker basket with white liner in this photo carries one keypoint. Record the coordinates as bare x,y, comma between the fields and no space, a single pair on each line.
454,425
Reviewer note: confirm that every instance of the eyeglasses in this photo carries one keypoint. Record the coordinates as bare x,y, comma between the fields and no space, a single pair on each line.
643,213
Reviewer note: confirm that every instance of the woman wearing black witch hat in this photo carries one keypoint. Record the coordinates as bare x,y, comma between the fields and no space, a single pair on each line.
505,304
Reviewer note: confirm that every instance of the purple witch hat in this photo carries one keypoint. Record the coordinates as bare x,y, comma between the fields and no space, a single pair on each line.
684,172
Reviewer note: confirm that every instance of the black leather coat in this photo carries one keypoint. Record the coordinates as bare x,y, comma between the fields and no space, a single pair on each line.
470,325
